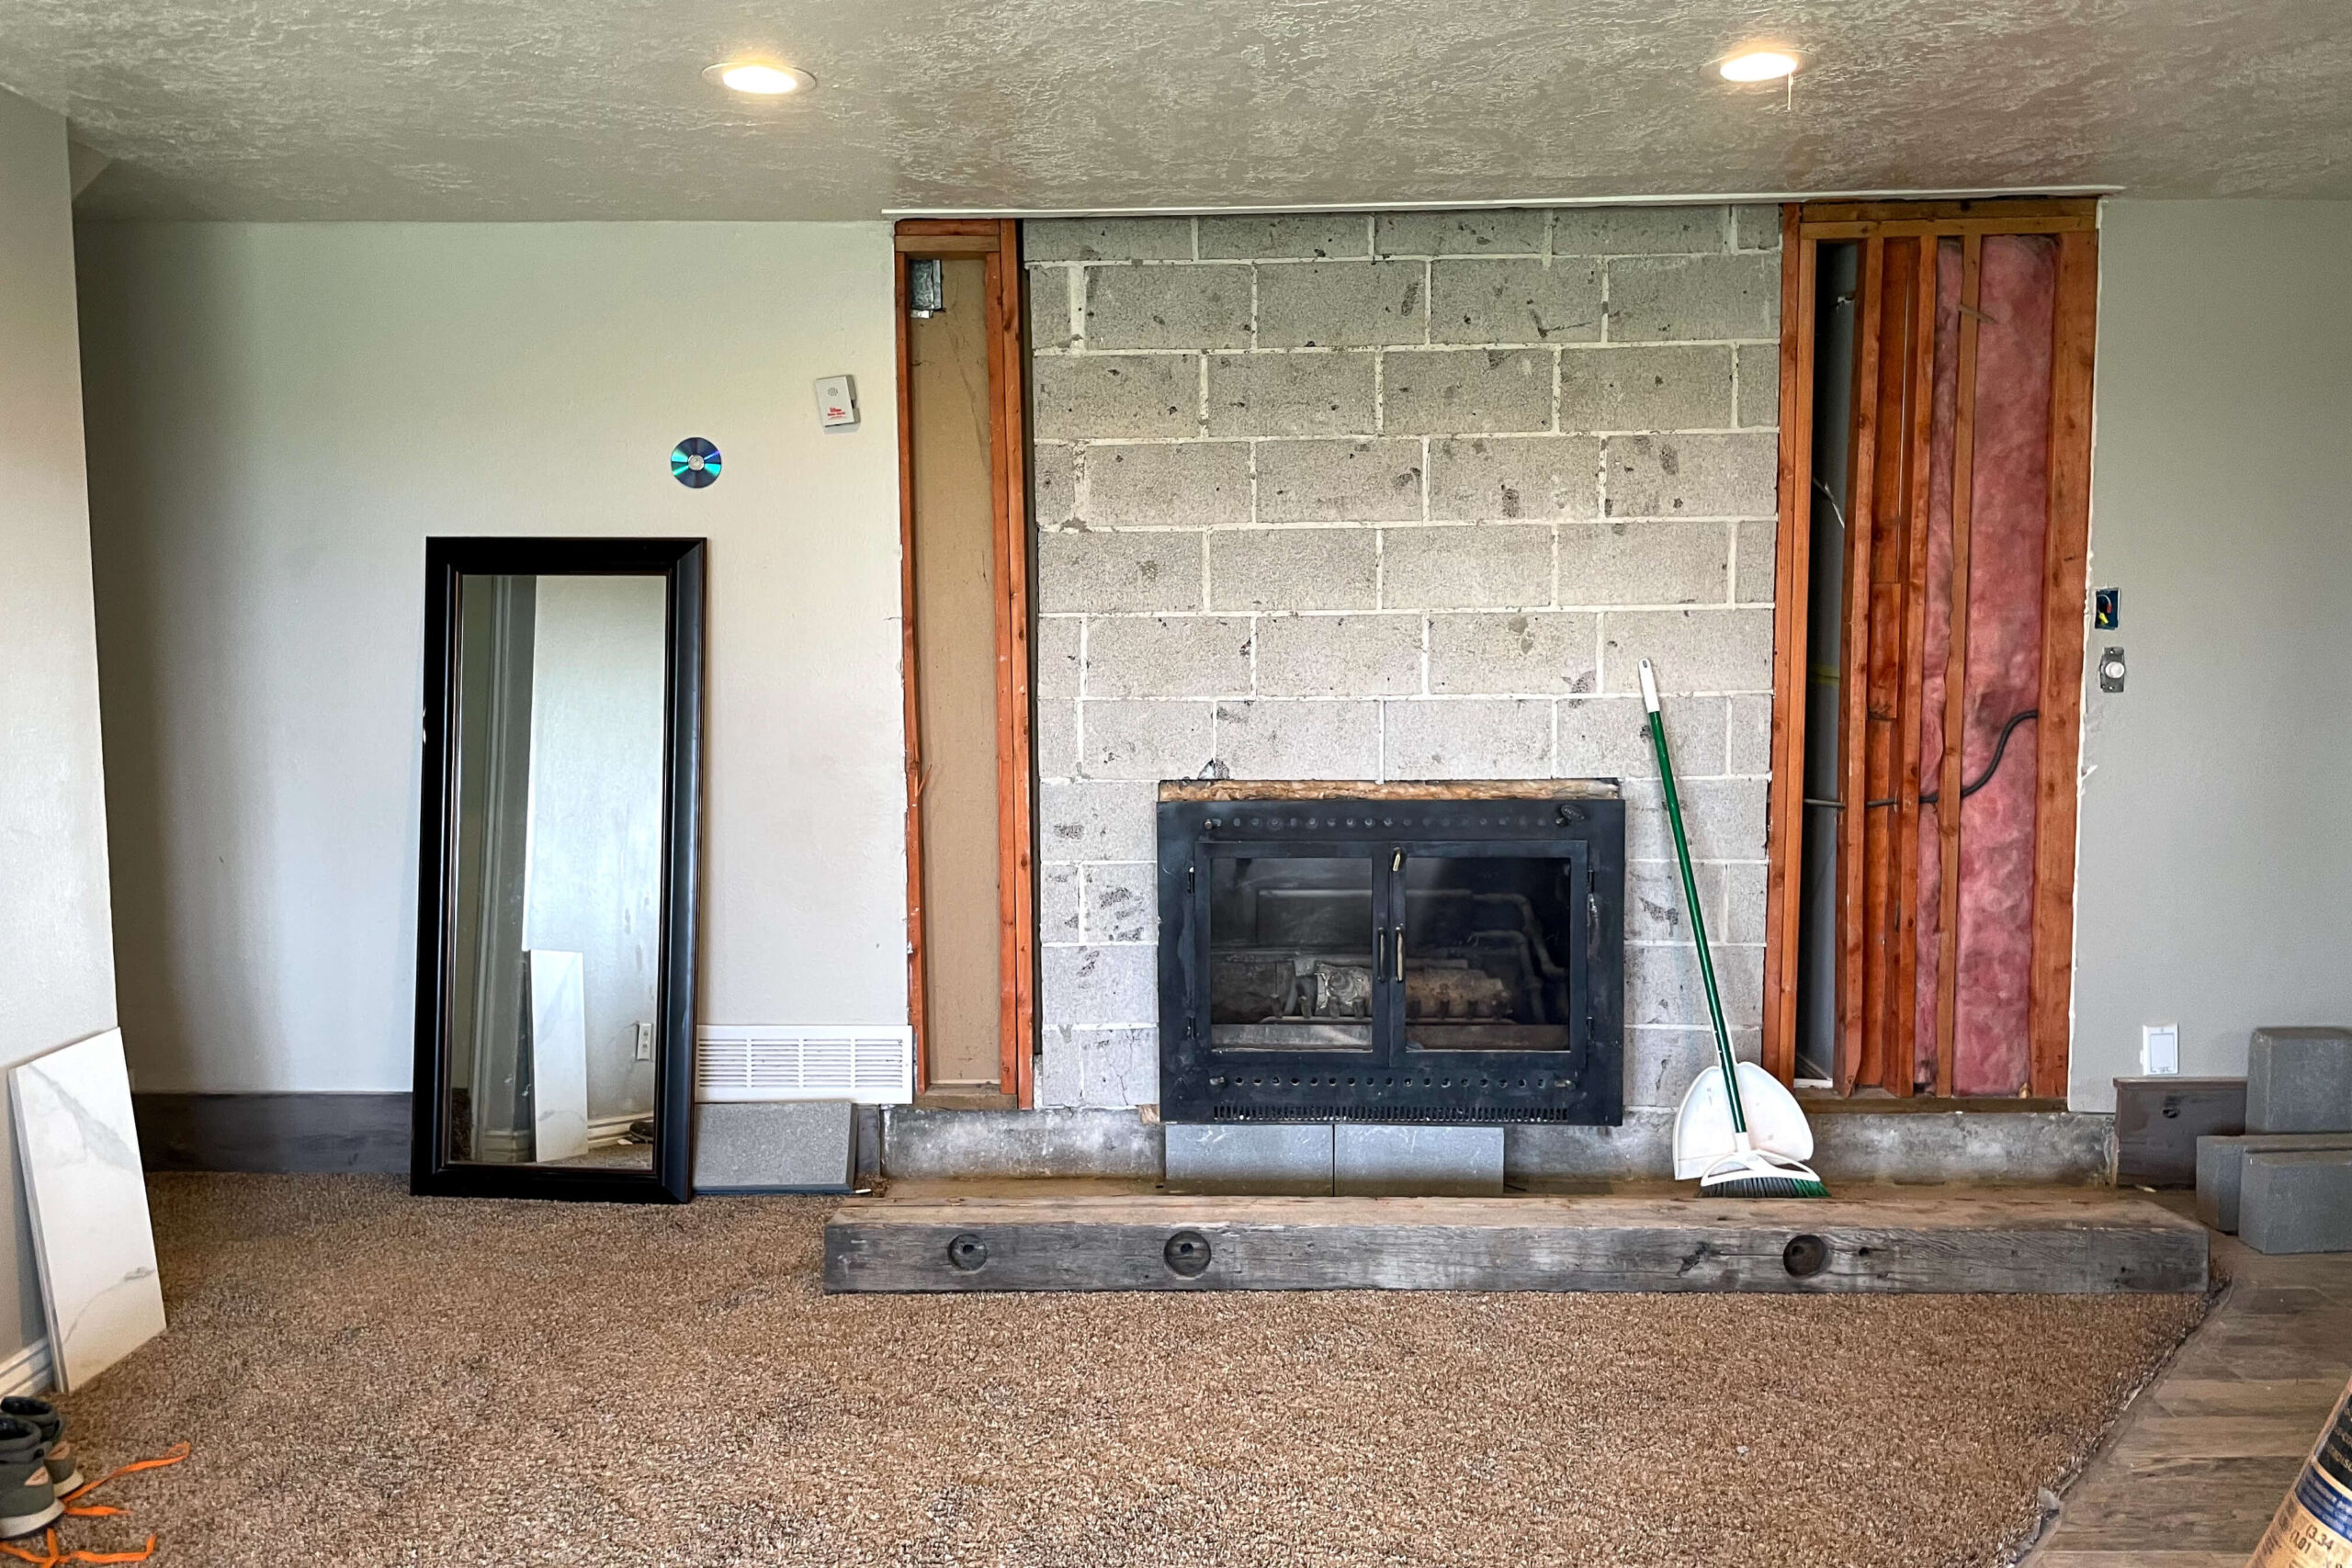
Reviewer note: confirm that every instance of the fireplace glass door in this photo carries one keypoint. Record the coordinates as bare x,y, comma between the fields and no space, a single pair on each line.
1293,950
1485,939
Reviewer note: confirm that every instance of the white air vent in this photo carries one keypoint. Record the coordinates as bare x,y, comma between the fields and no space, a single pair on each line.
874,1066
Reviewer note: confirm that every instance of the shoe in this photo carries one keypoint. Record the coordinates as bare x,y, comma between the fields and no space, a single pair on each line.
27,1497
64,1469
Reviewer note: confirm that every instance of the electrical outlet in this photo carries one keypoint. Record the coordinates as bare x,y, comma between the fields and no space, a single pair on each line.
2160,1048
644,1041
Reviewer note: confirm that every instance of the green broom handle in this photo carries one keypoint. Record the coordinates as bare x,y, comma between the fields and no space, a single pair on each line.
1690,898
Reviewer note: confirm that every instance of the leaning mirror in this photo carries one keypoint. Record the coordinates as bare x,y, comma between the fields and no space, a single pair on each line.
555,942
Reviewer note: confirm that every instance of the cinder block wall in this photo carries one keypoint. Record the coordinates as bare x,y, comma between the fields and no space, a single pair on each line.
1400,496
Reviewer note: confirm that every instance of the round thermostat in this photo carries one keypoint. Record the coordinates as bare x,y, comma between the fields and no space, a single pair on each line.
693,463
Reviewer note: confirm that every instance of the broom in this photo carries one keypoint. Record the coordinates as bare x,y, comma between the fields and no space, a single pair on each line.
1747,1171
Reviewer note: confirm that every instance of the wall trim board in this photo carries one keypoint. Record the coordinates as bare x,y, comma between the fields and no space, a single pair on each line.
1713,199
275,1133
28,1372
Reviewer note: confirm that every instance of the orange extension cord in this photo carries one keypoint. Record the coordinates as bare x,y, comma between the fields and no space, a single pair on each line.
53,1553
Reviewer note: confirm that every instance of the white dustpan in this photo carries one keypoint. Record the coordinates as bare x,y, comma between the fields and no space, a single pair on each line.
1704,1136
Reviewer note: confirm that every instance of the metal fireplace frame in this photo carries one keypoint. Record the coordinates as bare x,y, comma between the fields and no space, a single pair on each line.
1583,1084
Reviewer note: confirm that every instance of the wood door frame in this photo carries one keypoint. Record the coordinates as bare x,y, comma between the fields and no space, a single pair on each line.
1804,226
997,242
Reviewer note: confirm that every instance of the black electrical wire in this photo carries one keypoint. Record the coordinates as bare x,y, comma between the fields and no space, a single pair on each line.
2000,746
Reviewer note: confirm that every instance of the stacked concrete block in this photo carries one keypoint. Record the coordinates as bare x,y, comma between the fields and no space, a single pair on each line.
1398,496
2299,1080
2221,1167
2292,1175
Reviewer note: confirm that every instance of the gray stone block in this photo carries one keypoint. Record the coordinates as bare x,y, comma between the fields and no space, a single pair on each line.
1121,902
2297,1202
2299,1080
1644,387
1486,566
2221,1167
1527,653
1109,1068
1056,641
1339,481
921,1145
799,1146
1144,739
1290,394
1341,304
1053,483
1294,568
1758,546
1452,391
1100,984
1175,484
1645,562
1760,385
1636,230
1667,299
1483,478
1052,323
1660,1063
1751,736
1515,299
1280,1158
1308,234
1106,239
1339,656
1607,738
1755,228
1101,572
1694,650
1374,1159
1466,738
1506,230
1692,475
1059,895
1096,819
1663,985
1168,656
1054,737
1299,738
1205,306
1723,819
1078,396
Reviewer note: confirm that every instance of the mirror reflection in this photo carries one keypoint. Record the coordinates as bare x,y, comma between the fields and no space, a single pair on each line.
555,1005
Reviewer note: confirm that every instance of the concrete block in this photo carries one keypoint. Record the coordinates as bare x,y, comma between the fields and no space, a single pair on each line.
1107,572
1644,563
1529,653
2160,1116
1692,475
1723,819
1263,1158
1660,1063
1294,568
1053,483
1308,234
1053,736
1299,738
1057,640
1751,736
1374,1159
1100,984
1290,394
1097,820
1058,893
2297,1202
1342,304
1179,484
1205,306
1053,321
2047,1146
1080,397
1644,387
1452,391
1339,656
1607,738
1760,385
803,1145
1755,228
1339,481
1105,1068
1515,299
1466,738
1636,230
1168,656
1121,902
1667,299
2221,1167
932,1146
2299,1080
1756,550
1663,985
1106,239
1144,739
1510,230
1486,479
1694,650
1498,566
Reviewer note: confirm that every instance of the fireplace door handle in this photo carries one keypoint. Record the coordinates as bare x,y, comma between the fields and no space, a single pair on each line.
1379,949
1398,946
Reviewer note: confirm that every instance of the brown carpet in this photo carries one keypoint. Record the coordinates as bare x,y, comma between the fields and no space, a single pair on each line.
370,1379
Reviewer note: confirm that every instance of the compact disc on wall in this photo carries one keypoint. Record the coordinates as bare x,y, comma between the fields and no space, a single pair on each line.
693,463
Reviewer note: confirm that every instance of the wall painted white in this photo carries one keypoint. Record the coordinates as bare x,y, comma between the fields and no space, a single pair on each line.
56,946
2215,879
282,413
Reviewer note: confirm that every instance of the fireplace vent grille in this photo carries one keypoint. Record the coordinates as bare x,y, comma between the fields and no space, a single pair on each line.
873,1067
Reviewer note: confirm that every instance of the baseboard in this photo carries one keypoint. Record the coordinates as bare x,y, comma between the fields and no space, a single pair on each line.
273,1131
28,1371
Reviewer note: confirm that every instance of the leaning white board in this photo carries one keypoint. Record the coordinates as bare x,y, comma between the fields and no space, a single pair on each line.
87,1198
558,1056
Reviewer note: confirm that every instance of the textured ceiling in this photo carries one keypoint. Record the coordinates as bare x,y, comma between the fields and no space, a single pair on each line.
587,108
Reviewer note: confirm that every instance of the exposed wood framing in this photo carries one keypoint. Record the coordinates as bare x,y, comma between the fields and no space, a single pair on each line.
908,671
1949,783
1853,743
1785,808
1902,1006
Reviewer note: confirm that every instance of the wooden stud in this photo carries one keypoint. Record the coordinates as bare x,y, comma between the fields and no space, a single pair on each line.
1948,786
1016,872
947,245
1784,824
1902,1054
1852,744
1884,230
907,681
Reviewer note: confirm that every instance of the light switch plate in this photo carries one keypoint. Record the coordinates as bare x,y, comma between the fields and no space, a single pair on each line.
2160,1048
837,403
644,1041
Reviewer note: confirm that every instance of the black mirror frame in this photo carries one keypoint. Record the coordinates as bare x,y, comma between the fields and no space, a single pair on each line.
681,563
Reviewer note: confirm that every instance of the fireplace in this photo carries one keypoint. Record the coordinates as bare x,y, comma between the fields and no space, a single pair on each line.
1410,954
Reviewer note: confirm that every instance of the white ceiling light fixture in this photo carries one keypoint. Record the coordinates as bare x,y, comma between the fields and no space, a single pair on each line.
760,78
1760,65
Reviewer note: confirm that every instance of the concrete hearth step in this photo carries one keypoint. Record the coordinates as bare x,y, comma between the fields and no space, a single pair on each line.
2299,1080
2221,1167
2297,1201
1347,1158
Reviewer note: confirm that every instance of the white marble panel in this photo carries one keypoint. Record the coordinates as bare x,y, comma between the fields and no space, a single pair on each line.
558,1056
87,1197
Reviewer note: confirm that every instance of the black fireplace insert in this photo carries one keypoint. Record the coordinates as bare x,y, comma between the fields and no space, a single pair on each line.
1391,960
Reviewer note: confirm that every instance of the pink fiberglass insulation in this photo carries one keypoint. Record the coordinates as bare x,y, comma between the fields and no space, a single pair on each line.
2008,520
1942,438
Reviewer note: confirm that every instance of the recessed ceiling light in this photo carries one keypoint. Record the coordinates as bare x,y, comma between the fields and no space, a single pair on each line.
1758,65
760,78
